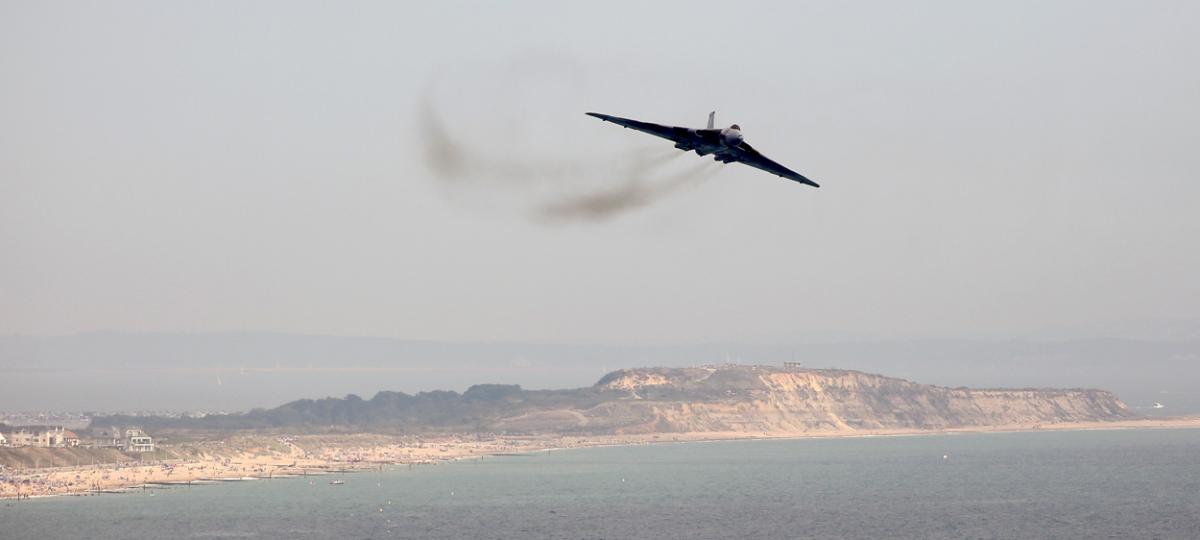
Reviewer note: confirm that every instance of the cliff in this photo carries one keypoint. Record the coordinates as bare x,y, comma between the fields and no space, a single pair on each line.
749,399
769,399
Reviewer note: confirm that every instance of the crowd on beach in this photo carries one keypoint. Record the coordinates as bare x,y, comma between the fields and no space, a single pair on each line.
263,457
284,457
106,477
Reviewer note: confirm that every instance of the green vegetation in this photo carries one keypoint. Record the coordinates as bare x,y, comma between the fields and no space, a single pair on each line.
439,410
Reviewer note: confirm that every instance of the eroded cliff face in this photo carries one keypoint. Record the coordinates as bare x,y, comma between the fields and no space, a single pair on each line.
781,400
753,400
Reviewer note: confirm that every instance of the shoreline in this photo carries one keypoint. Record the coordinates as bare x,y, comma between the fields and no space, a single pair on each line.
265,457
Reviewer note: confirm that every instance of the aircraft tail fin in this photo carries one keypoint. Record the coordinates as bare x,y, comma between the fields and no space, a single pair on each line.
712,116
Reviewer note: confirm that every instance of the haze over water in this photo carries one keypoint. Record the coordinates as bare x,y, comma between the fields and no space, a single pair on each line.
217,206
1091,484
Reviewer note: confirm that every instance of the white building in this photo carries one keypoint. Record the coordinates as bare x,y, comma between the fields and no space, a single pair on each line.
50,438
21,438
137,441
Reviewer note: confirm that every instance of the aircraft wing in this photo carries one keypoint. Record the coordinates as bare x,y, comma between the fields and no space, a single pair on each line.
677,134
748,155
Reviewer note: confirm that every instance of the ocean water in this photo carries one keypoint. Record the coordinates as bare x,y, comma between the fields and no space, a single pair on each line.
1096,484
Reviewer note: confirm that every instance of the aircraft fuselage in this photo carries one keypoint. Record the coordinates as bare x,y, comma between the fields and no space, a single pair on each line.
717,142
726,145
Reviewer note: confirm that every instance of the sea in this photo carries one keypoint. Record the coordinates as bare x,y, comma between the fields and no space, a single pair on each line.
1032,485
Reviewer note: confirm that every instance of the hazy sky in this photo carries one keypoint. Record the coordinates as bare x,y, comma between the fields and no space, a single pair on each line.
985,169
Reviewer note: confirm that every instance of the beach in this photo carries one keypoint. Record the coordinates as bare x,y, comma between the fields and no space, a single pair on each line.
254,457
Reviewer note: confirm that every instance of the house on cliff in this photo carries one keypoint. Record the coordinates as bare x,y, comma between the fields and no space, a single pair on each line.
50,438
70,439
55,437
21,438
138,441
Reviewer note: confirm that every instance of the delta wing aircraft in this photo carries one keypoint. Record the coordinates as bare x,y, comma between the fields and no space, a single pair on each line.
725,145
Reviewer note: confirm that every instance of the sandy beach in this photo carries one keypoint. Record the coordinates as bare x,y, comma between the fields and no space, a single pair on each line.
264,457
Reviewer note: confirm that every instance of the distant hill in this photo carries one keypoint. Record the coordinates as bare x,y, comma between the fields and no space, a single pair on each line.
237,371
664,400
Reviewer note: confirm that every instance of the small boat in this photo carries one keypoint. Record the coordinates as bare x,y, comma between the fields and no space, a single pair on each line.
1158,405
336,482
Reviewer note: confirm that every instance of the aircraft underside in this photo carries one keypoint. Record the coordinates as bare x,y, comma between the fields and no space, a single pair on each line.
719,152
725,145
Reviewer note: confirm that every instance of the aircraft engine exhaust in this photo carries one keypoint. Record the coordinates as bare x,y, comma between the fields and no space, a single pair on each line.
582,189
634,194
